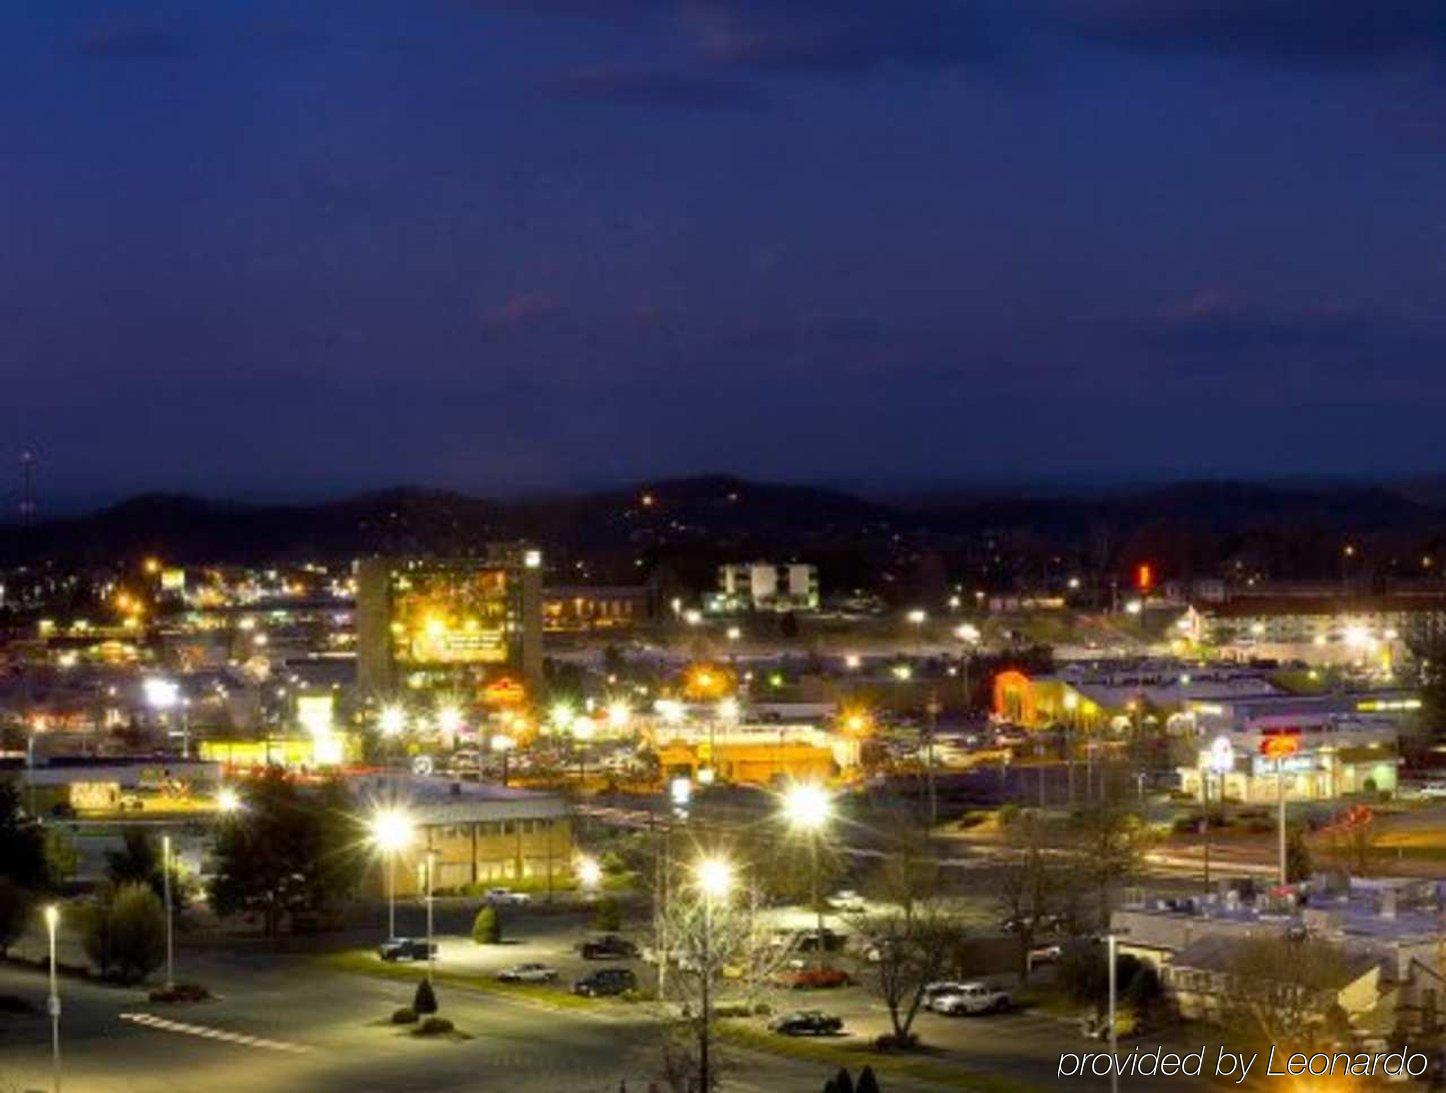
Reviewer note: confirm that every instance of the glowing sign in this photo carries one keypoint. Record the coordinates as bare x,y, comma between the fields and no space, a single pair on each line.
1279,746
1221,757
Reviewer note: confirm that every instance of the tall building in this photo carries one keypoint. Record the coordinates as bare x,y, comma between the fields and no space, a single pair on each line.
764,586
449,624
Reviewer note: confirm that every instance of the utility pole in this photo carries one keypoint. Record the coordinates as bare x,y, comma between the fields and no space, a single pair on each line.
932,708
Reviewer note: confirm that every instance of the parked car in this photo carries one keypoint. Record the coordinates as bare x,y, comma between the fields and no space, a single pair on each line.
972,998
807,1023
528,973
608,947
847,900
506,897
1433,789
406,948
606,982
1045,954
812,979
938,989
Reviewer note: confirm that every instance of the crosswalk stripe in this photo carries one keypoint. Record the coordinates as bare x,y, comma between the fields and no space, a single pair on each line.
163,1024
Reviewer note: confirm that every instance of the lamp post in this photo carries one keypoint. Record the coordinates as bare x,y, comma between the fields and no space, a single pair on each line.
52,920
166,895
1220,761
807,807
391,832
714,879
1114,1038
431,953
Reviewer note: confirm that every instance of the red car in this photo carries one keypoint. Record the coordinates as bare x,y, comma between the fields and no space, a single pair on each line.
812,979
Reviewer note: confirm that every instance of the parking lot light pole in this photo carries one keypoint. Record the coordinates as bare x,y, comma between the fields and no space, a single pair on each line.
52,920
714,879
170,926
431,954
807,807
1114,1038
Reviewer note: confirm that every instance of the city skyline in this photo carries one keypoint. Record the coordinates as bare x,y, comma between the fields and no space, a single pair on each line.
267,250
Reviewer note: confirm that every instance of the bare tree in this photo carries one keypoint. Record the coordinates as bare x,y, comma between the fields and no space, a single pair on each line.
1030,883
913,940
1109,849
1286,990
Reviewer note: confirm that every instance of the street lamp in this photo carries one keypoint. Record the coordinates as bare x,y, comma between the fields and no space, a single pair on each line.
52,920
392,721
808,807
166,895
713,877
391,832
449,722
589,873
228,801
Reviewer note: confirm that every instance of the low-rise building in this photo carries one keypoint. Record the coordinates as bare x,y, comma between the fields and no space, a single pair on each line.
480,834
764,586
1387,933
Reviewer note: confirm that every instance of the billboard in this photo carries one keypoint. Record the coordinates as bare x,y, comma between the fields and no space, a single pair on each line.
451,616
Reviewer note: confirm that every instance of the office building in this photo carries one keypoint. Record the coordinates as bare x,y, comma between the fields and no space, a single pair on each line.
765,586
455,625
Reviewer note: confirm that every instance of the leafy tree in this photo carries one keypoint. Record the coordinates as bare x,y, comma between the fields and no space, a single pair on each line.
425,1000
138,861
22,841
289,853
123,932
15,909
1298,864
62,859
609,915
1282,990
487,926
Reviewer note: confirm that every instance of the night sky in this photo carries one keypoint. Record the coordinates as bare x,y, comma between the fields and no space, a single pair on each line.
277,249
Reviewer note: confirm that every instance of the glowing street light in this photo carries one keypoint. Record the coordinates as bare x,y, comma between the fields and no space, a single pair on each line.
561,716
392,721
228,801
449,720
589,873
619,714
392,831
714,877
917,617
728,709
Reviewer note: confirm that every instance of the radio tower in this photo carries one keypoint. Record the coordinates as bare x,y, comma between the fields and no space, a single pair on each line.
27,486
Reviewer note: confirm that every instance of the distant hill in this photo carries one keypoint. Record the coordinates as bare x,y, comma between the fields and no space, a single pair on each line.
719,515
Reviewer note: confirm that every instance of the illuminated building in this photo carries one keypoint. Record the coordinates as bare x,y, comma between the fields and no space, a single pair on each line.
764,586
479,834
449,624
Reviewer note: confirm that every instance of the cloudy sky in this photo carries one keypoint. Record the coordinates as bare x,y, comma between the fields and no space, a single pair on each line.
292,248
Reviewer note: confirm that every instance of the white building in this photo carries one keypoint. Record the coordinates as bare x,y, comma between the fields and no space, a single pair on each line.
765,586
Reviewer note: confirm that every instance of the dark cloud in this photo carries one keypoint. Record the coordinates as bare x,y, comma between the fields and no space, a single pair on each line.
1216,325
132,38
841,36
652,87
519,311
1308,33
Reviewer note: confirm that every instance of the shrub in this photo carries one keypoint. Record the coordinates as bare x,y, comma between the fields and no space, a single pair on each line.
180,992
124,932
609,916
434,1026
843,1082
867,1082
425,1000
487,926
404,1016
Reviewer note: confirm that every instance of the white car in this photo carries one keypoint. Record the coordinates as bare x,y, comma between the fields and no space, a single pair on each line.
937,990
846,899
1434,789
528,973
506,897
971,999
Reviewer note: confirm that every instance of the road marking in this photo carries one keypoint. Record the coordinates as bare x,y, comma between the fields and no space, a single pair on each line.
162,1024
